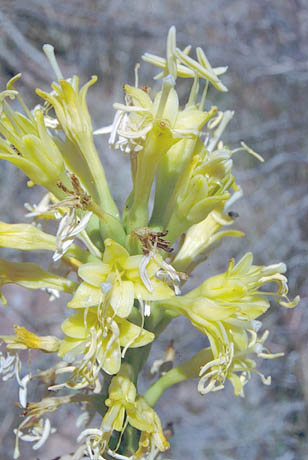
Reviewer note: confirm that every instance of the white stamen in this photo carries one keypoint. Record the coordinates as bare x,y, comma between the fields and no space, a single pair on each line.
147,309
44,436
23,390
50,54
68,229
236,196
143,272
118,456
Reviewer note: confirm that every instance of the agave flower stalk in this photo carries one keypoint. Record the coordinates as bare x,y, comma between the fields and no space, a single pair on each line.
126,281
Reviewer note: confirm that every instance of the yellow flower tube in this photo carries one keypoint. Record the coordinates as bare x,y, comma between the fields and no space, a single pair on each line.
72,112
32,276
27,237
24,339
27,144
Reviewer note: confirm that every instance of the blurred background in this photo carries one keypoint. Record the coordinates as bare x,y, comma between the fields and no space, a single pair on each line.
265,45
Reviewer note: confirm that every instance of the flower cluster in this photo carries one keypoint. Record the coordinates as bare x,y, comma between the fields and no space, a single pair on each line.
124,276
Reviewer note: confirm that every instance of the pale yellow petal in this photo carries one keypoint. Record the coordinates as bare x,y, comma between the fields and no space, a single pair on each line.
86,296
160,290
132,334
110,360
113,251
122,298
94,273
139,97
74,326
191,119
67,345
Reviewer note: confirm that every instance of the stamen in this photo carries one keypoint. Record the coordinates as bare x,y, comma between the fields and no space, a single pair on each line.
168,84
204,94
252,152
143,272
171,52
226,118
193,93
118,456
50,54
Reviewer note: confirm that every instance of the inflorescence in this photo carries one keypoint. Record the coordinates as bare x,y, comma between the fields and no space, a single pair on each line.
126,276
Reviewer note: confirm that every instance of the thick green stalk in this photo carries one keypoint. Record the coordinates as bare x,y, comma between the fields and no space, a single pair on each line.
110,226
156,323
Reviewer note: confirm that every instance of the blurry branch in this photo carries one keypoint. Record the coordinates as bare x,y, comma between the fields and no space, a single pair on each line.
10,58
87,20
279,69
270,165
21,42
280,222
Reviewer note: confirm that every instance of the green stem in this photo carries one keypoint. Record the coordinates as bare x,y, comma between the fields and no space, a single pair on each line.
156,145
170,169
185,371
110,226
98,174
156,323
176,227
130,440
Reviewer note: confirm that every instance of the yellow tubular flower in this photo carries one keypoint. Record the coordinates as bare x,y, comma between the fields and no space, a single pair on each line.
151,129
172,165
72,112
200,237
152,436
121,275
47,405
234,295
169,170
203,186
27,237
120,402
27,144
233,361
100,339
225,307
230,361
241,283
71,108
123,400
24,339
32,276
147,129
